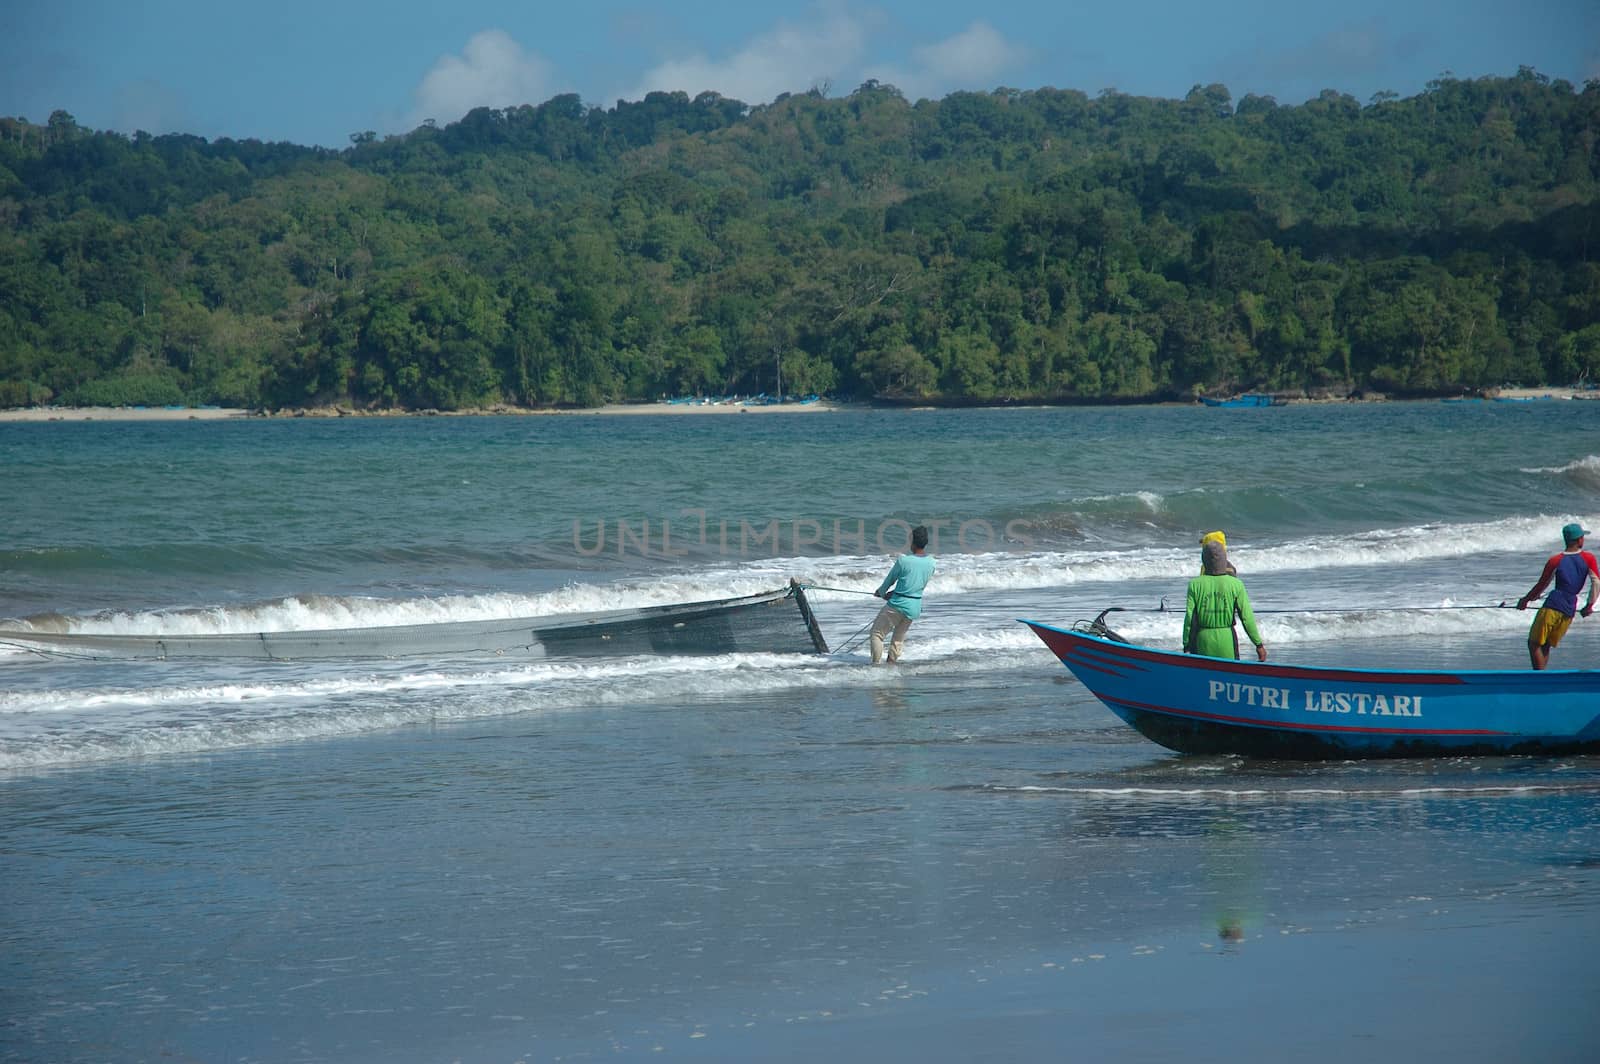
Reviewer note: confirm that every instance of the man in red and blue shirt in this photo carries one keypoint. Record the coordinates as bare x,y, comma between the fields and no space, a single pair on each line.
1570,570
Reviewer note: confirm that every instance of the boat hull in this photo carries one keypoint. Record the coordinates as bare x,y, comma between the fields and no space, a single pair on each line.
770,622
1201,705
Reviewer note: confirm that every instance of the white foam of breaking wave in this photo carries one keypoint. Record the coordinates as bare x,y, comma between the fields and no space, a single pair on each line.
1584,470
1379,547
1250,794
856,575
541,673
55,727
318,612
60,725
1153,501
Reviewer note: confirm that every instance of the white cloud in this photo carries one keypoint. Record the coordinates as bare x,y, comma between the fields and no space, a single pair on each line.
493,70
972,59
833,49
789,58
976,59
829,47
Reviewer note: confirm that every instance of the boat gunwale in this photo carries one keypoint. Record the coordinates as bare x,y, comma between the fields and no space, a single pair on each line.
291,639
1437,677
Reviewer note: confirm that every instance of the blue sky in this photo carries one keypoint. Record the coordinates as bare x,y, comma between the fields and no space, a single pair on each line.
315,72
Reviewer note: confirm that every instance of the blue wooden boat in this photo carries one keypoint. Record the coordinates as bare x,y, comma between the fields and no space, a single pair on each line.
1248,399
1200,705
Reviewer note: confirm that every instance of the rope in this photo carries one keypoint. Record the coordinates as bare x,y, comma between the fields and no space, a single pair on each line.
853,641
40,652
946,605
1164,608
1398,609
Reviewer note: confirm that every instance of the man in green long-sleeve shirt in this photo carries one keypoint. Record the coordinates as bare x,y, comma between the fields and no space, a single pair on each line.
902,589
1215,599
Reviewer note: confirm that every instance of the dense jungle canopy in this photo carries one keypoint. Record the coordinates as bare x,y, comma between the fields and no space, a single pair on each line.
1013,244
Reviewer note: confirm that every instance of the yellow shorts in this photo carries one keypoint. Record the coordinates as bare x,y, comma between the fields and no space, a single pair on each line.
1548,627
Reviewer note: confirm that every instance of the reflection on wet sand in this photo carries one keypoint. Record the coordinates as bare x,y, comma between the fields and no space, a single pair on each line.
1232,860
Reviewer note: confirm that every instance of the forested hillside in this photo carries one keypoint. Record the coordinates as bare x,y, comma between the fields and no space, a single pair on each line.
1015,244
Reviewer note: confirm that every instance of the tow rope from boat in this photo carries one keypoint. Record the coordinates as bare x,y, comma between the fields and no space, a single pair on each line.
1164,608
1099,628
856,638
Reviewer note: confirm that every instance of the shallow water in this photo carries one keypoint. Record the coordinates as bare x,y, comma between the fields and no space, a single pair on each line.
926,864
761,856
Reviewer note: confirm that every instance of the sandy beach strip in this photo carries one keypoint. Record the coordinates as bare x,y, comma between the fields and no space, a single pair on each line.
729,407
121,413
714,407
1544,393
213,413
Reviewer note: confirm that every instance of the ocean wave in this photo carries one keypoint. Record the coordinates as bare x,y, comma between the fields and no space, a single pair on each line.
157,711
319,612
262,705
1146,501
1376,549
1209,795
855,576
1583,472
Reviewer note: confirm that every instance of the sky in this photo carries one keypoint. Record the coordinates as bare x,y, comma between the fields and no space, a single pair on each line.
316,72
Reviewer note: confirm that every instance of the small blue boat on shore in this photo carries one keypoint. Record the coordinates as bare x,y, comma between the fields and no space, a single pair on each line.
1200,705
1248,399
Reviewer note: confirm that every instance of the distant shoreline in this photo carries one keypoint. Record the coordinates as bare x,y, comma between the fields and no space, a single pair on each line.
121,413
215,413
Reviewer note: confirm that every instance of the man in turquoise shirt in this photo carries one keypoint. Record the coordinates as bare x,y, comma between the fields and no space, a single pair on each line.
903,590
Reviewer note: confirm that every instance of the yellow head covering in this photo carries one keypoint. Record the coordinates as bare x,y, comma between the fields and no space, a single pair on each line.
1214,537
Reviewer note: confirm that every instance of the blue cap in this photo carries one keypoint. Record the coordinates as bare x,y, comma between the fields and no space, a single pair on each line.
1573,532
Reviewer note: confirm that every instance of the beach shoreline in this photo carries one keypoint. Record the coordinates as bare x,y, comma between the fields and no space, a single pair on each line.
712,407
124,413
120,413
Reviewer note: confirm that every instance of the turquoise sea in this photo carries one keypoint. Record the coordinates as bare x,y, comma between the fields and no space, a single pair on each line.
775,857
